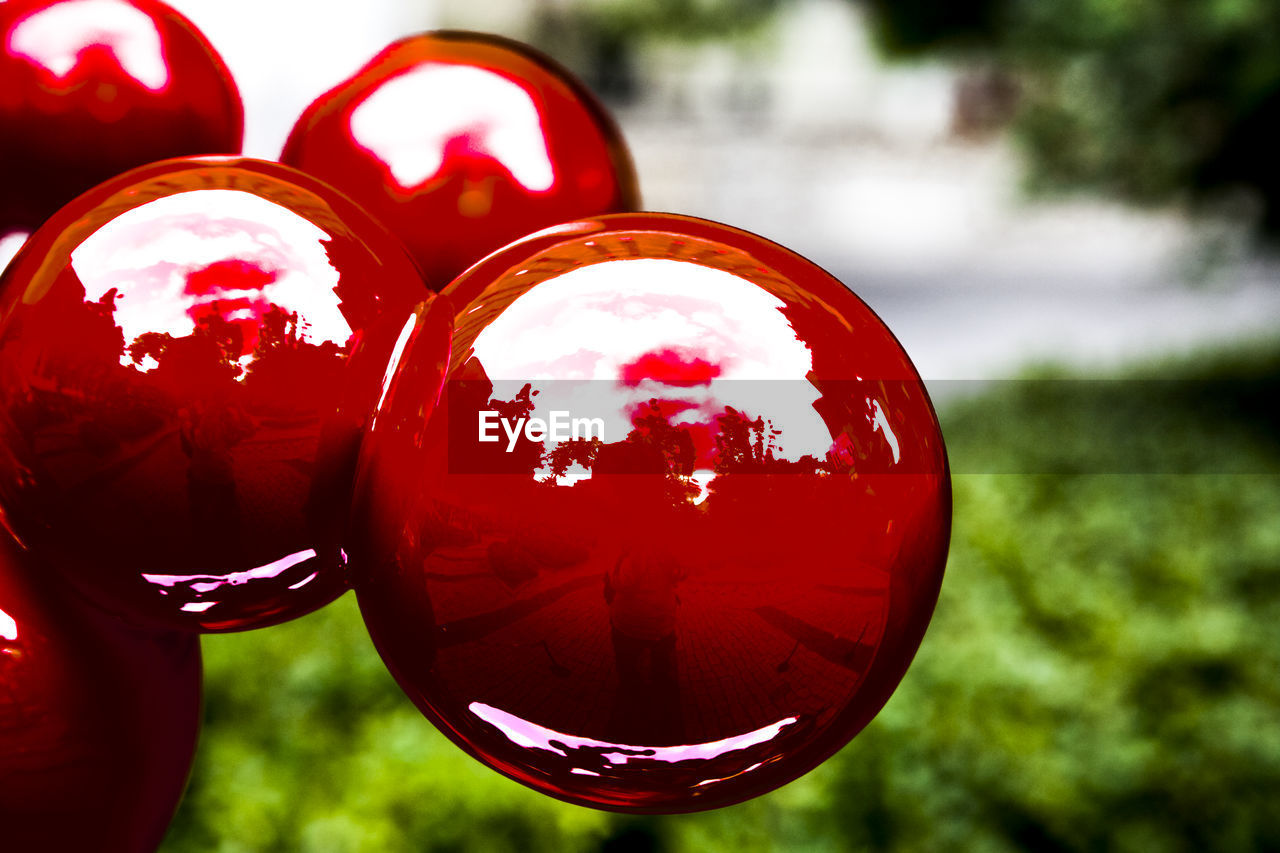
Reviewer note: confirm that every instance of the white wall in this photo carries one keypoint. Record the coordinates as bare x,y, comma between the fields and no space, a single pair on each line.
285,53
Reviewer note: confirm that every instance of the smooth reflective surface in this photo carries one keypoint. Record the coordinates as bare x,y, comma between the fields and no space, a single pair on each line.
98,721
652,515
178,408
92,88
462,143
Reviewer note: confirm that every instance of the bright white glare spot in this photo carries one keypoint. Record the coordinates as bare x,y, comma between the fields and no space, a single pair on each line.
880,423
9,246
702,479
622,310
572,475
148,253
496,116
197,606
8,627
56,36
396,354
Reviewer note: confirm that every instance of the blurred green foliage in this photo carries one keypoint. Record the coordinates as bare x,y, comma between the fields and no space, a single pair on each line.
598,39
676,19
1150,100
1103,672
906,27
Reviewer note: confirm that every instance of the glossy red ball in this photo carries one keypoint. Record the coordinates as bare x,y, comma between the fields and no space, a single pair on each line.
463,142
653,513
98,721
178,413
92,88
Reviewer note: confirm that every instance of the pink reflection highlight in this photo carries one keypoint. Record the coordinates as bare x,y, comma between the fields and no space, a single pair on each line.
56,38
533,736
308,579
208,583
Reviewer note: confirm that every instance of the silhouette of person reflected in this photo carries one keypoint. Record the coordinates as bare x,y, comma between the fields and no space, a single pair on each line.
208,429
640,590
208,433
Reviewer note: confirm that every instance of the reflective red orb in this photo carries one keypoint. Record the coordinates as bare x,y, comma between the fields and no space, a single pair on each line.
98,721
92,88
178,413
462,143
652,515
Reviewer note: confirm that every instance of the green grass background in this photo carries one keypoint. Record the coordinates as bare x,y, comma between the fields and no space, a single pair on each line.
1102,672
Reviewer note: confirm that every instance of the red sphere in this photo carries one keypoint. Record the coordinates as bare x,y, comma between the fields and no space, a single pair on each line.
652,515
92,88
98,721
462,143
178,413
